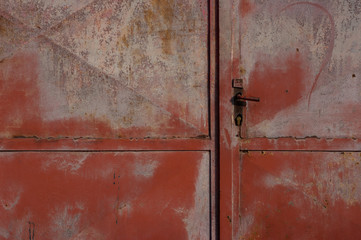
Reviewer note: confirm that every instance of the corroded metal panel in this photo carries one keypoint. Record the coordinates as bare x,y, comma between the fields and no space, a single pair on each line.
104,69
303,60
125,86
298,173
300,195
140,195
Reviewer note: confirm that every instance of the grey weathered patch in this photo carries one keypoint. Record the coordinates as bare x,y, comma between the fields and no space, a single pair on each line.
145,168
64,223
69,163
197,219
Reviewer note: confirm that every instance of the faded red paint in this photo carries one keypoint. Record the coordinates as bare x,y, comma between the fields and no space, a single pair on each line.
20,104
101,195
301,144
246,7
299,195
125,101
22,115
228,151
298,176
279,83
129,65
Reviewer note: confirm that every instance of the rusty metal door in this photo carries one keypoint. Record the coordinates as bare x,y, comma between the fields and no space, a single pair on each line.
107,119
297,174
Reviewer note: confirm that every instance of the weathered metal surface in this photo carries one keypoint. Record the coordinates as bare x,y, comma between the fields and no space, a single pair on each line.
136,78
228,148
303,144
302,59
299,195
144,195
85,144
104,69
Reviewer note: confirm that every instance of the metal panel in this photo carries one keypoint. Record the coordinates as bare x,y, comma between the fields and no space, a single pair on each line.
228,148
104,69
302,59
293,179
300,195
143,195
108,110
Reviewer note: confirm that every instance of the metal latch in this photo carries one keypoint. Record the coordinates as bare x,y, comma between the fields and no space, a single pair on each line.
239,97
238,85
238,120
239,101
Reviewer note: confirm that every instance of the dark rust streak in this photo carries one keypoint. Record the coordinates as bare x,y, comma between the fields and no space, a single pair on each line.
31,231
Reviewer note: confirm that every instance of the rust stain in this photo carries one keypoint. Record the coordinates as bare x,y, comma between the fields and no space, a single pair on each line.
166,37
164,9
149,16
2,26
242,71
125,41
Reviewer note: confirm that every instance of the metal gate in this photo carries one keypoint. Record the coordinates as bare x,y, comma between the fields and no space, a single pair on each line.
297,174
107,119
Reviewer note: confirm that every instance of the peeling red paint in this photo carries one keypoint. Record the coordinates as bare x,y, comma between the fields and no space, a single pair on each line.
299,195
20,104
96,78
89,199
246,7
279,83
123,90
22,115
299,172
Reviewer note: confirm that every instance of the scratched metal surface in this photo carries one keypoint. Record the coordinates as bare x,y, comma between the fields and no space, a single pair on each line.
300,195
104,196
303,60
103,69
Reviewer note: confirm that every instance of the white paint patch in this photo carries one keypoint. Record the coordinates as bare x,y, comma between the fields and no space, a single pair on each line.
180,211
68,163
10,196
333,177
339,178
89,234
145,168
4,233
287,178
198,219
18,228
65,223
246,224
124,209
